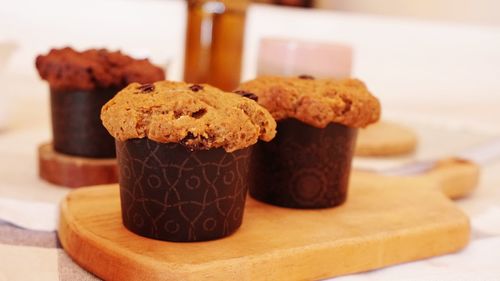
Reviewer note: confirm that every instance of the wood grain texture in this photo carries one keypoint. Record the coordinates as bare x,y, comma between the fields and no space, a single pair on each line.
74,171
385,221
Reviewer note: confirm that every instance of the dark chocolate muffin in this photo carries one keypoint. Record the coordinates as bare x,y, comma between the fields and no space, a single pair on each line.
80,84
66,69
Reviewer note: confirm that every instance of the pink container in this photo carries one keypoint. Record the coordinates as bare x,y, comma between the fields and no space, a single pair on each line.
289,57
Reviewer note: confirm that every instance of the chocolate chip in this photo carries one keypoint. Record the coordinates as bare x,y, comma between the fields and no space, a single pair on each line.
196,87
186,141
146,88
306,77
198,114
189,136
247,95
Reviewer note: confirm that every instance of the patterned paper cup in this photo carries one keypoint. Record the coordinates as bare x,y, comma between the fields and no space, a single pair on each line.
171,193
305,166
76,124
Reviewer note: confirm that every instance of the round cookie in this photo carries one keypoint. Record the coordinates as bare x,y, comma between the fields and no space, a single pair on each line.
385,139
198,116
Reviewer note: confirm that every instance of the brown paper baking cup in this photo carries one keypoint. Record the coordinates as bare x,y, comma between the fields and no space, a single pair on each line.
171,193
303,166
76,125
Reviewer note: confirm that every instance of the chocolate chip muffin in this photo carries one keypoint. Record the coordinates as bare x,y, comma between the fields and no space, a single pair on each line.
308,164
80,84
184,153
316,102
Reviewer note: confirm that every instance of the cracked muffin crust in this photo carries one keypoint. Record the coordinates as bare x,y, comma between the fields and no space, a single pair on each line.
67,69
316,102
197,116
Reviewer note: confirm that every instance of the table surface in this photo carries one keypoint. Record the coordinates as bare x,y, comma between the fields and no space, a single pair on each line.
447,105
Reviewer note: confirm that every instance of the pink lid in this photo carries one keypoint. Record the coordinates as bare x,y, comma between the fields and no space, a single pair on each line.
289,57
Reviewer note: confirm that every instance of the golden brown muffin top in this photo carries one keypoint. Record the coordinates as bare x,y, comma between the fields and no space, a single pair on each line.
198,116
316,102
67,69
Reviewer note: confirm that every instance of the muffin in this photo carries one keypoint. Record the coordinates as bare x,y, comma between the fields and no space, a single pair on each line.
80,84
307,164
183,152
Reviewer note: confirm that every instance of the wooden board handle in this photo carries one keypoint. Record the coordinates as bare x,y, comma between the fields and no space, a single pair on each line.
455,177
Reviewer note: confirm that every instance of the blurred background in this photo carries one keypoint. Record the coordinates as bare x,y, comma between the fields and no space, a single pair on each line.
466,11
436,54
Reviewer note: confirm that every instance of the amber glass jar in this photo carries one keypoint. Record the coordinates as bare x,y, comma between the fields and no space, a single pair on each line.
295,3
214,42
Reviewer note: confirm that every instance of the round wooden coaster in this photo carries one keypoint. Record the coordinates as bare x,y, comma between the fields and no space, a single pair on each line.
385,139
74,171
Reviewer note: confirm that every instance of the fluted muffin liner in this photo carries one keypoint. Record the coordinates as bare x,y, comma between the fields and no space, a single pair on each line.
303,166
169,192
76,124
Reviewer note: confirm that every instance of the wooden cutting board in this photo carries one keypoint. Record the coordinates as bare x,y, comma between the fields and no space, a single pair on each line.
385,221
